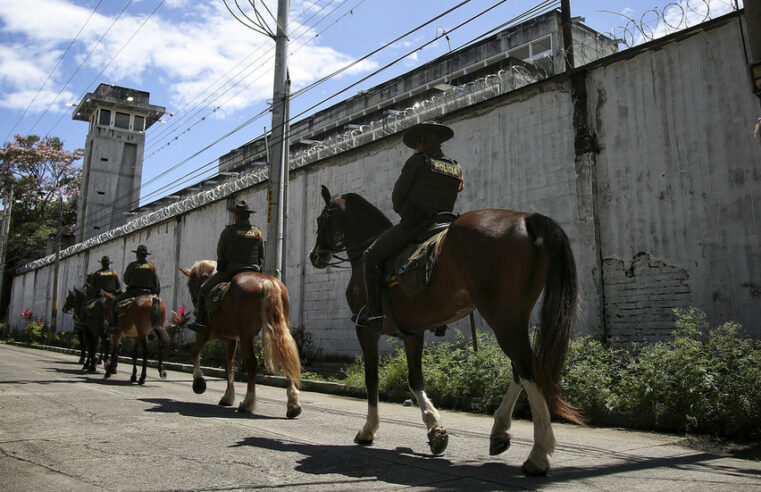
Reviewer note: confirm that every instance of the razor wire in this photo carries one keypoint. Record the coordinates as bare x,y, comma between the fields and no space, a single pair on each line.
673,17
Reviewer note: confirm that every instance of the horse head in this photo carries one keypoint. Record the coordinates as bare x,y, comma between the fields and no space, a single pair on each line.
69,302
348,222
197,275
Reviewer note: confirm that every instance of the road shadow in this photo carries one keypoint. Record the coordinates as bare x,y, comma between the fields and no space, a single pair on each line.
201,410
402,466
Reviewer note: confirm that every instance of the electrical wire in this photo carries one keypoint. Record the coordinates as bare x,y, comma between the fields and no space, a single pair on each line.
53,70
161,2
129,2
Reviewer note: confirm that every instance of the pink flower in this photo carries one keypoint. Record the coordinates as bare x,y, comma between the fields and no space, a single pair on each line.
27,314
181,316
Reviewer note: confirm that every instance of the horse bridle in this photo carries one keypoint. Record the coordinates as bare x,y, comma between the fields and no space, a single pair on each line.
340,246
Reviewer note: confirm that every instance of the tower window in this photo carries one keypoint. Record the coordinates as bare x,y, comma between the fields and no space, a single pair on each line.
104,118
121,120
139,123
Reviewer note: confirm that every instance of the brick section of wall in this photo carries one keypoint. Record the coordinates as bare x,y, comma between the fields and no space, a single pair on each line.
640,297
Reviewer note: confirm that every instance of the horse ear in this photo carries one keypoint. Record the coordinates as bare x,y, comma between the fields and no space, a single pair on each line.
186,272
326,194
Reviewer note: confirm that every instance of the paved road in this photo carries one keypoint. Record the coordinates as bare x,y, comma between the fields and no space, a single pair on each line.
61,429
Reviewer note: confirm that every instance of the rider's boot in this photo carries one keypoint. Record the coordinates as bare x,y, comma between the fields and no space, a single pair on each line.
372,314
200,314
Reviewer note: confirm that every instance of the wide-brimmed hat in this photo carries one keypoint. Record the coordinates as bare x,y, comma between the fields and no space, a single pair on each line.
413,133
241,207
141,250
106,259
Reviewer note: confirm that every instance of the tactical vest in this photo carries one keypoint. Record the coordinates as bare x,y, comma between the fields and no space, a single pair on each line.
141,275
437,185
105,280
243,246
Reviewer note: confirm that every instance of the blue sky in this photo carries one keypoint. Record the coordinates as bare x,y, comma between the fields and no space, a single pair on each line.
213,74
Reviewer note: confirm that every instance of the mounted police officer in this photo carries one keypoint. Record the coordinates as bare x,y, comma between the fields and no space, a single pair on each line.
139,278
240,248
428,185
103,279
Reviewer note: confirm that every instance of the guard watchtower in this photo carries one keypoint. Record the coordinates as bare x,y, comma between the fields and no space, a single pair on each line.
113,161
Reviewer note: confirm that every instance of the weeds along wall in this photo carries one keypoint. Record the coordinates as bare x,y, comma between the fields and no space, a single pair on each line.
661,212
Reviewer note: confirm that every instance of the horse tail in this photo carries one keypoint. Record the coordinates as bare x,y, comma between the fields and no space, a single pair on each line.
279,347
558,312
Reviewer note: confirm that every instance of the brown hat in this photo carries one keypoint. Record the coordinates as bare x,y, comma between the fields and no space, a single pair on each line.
106,259
141,250
413,133
241,207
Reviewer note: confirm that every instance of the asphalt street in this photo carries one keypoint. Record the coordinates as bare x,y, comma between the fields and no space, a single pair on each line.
61,429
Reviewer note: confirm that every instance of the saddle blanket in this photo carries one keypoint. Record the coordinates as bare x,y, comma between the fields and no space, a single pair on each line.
414,268
215,296
122,306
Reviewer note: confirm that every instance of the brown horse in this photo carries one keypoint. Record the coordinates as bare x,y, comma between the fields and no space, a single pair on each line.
252,302
146,314
495,261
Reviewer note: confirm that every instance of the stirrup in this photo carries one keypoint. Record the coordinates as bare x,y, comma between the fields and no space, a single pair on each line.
362,319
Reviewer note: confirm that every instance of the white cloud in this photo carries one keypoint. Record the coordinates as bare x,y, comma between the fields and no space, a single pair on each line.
188,45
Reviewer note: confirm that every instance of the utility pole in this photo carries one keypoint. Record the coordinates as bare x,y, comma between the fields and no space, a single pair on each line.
277,201
278,171
4,233
54,310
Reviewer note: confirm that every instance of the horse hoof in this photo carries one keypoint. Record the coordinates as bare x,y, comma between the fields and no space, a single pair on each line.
107,375
358,439
499,444
199,386
242,408
141,381
438,439
162,374
532,470
293,412
133,379
225,403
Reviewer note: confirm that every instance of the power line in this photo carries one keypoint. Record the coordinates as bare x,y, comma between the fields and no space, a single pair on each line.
129,2
161,2
242,79
53,70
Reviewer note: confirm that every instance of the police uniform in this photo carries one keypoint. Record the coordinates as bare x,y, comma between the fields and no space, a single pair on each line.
103,279
139,278
240,247
428,185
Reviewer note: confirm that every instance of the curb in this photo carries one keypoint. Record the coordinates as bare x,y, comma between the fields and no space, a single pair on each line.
265,379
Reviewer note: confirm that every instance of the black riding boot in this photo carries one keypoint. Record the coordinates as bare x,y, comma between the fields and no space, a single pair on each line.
198,325
372,315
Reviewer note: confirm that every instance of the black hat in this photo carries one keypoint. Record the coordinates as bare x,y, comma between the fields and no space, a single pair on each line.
141,250
413,133
241,207
105,259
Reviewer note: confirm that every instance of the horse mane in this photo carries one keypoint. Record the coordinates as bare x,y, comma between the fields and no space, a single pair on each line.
368,210
203,267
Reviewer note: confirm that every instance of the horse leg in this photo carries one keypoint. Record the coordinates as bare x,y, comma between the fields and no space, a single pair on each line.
248,405
115,346
144,345
199,384
293,407
133,379
92,352
368,340
82,348
513,338
499,440
162,371
229,397
437,434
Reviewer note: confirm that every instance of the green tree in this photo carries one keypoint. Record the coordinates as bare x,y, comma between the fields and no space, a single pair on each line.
39,170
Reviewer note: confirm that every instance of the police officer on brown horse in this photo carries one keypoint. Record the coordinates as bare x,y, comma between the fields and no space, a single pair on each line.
239,248
139,278
428,185
104,278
